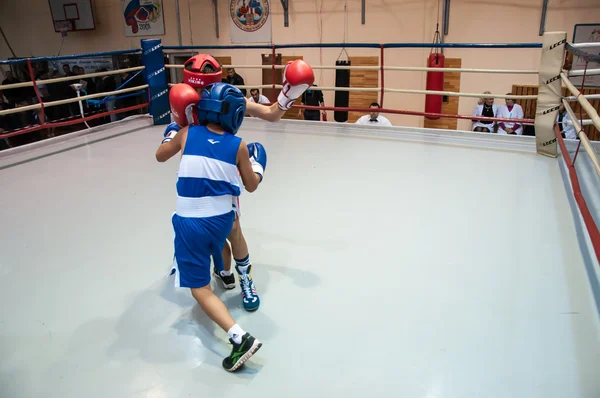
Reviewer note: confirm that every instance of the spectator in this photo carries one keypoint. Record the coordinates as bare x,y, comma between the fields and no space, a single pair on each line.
108,84
374,118
567,130
312,97
67,70
257,97
485,107
510,111
235,79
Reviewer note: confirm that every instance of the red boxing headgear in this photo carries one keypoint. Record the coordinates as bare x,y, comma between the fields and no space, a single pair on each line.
201,70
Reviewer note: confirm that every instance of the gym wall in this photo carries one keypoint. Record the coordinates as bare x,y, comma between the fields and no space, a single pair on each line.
29,28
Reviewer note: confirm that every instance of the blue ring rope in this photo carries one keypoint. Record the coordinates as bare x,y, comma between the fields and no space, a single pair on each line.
276,46
76,56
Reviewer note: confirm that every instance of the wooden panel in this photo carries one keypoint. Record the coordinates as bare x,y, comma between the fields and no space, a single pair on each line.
450,106
362,78
529,106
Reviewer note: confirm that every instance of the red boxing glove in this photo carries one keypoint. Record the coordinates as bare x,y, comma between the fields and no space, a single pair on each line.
183,99
297,77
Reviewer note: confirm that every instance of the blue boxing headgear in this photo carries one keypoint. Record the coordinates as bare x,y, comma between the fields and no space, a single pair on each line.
223,104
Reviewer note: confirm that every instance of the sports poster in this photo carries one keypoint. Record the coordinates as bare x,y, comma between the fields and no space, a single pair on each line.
250,21
586,33
143,17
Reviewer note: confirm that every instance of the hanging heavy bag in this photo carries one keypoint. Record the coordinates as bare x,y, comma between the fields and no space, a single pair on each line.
435,81
342,98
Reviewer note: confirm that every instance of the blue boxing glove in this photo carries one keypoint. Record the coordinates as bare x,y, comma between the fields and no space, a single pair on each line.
258,158
170,132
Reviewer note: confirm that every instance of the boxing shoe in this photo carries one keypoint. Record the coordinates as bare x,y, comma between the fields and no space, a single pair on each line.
297,77
250,298
228,281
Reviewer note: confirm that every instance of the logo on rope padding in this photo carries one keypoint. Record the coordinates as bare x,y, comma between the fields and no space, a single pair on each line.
155,96
153,74
555,78
551,110
553,141
563,41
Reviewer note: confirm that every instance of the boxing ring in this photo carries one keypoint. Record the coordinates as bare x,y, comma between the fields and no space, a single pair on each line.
422,262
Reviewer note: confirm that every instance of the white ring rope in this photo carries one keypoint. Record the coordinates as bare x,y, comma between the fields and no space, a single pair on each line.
581,72
588,96
388,68
585,45
394,90
585,104
67,78
583,137
68,101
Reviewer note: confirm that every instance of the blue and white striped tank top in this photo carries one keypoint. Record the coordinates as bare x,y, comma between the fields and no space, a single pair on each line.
208,177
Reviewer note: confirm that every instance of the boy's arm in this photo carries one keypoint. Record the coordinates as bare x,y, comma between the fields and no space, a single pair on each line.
249,177
172,143
271,113
297,77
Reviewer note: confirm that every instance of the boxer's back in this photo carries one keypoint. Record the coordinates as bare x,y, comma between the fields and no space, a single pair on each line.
208,176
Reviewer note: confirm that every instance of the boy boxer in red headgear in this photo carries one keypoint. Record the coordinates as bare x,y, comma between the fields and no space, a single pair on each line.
200,71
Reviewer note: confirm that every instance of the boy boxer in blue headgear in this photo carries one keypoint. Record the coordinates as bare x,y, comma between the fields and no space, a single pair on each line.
214,164
199,71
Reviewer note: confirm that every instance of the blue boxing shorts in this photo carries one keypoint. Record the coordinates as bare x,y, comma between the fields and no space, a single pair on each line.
196,239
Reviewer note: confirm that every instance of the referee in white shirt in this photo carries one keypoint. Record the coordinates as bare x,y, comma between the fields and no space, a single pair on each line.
374,118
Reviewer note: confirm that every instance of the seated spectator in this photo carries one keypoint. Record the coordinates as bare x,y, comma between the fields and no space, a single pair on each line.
235,79
485,107
312,97
257,97
510,111
567,130
374,118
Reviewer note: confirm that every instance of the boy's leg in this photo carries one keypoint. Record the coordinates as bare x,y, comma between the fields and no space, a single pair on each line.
222,262
239,248
195,240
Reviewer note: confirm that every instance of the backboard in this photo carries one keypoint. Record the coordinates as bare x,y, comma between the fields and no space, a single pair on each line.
72,15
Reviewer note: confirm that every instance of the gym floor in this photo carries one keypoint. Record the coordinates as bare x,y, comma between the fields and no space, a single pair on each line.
389,262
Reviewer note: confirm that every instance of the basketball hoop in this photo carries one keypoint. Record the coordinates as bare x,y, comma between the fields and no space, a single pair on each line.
64,26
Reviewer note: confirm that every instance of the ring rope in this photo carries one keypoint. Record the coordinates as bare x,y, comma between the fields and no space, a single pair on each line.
585,45
63,79
581,72
589,109
583,137
389,68
394,90
70,100
587,96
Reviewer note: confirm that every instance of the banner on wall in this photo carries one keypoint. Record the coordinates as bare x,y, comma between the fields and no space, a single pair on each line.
143,17
90,65
586,33
250,21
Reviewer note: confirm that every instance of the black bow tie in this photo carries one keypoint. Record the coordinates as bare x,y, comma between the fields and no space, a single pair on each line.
373,120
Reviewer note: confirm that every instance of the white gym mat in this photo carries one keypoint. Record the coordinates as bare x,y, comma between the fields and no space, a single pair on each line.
390,263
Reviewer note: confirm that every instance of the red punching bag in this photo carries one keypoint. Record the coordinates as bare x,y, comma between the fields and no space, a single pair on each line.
435,81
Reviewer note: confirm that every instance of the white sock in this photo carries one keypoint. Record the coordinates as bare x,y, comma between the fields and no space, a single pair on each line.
226,273
236,333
